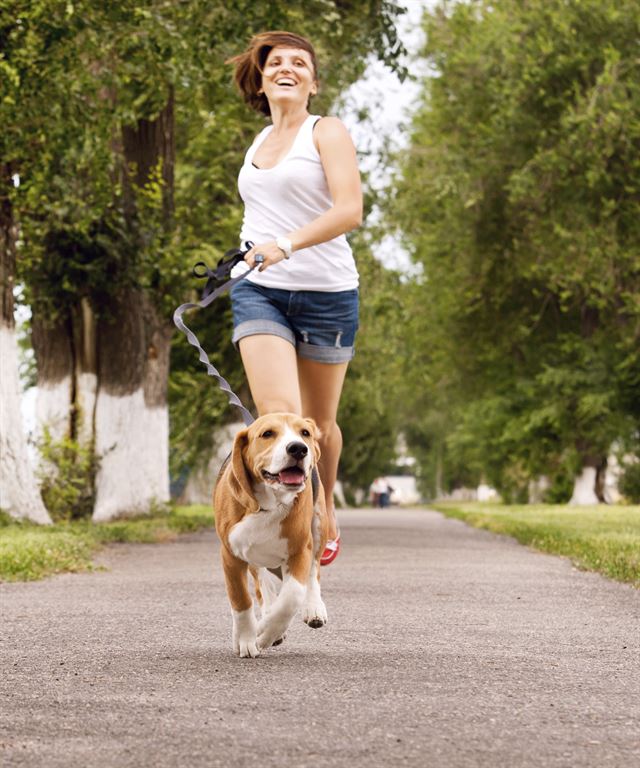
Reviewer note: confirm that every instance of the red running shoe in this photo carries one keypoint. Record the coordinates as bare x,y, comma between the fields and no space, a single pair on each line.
330,551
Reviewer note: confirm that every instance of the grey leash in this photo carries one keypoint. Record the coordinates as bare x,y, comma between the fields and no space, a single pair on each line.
222,271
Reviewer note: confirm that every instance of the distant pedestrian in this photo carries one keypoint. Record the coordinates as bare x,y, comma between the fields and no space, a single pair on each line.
380,491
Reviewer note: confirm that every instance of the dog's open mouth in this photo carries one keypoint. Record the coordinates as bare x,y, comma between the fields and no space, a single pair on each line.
289,476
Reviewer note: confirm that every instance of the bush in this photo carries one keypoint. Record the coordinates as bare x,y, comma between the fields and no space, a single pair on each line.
66,475
630,483
560,489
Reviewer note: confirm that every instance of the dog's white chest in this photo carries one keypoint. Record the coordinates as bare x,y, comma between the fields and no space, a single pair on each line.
256,539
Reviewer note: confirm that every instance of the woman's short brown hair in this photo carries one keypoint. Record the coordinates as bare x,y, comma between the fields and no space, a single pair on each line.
250,64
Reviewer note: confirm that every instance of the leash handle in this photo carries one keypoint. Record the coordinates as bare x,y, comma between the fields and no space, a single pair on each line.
223,270
209,298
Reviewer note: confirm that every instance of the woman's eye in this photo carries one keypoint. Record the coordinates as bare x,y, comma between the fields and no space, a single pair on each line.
267,433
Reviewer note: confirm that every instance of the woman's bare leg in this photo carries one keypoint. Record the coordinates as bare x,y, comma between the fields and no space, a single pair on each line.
320,389
272,372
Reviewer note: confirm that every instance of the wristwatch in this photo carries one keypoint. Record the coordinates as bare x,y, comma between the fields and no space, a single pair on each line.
284,244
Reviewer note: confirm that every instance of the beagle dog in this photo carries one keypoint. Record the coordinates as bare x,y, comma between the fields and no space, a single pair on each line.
270,513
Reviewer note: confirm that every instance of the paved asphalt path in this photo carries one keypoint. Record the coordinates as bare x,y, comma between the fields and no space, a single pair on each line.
447,646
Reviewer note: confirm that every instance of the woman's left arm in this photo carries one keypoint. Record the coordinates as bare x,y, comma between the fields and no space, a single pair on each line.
338,157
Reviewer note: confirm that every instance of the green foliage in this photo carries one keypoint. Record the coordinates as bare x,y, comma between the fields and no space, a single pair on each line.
368,414
520,198
78,75
606,540
5,519
197,406
66,476
560,488
630,482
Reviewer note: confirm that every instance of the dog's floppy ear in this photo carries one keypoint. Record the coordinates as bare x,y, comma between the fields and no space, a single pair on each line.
239,479
315,434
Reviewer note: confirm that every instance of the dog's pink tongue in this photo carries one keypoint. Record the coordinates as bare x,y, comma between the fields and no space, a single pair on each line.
291,476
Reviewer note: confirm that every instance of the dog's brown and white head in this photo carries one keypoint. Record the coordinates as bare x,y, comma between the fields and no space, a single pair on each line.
279,450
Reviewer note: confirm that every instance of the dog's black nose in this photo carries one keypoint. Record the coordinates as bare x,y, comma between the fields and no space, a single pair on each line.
297,450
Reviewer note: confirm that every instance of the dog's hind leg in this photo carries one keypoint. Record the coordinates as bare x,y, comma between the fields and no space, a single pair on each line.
269,586
289,600
314,611
256,585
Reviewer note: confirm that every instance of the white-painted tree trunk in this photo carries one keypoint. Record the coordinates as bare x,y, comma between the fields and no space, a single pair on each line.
132,446
19,494
537,489
199,486
86,378
584,488
86,394
52,407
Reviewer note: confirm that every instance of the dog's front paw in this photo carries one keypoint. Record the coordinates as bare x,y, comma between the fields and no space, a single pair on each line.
248,648
271,633
245,642
315,614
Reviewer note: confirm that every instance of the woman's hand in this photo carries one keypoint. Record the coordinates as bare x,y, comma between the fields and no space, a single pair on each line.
270,251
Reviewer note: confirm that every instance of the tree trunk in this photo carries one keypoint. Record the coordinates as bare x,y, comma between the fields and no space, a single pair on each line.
132,414
65,349
199,486
19,494
103,368
52,344
588,486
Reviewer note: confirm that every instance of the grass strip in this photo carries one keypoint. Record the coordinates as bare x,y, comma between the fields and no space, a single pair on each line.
29,552
602,538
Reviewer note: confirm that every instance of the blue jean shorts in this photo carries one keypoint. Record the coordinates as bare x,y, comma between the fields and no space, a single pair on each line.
321,325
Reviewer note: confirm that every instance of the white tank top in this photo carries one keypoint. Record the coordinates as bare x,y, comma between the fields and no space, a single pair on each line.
284,198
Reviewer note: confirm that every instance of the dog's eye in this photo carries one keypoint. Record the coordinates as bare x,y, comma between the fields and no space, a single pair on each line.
267,433
305,433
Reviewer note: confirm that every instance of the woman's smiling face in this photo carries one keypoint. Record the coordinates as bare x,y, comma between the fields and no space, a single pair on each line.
288,76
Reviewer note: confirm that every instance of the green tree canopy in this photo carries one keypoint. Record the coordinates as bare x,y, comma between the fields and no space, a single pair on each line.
122,122
520,197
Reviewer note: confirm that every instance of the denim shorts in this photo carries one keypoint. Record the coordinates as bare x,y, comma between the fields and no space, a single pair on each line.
321,325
